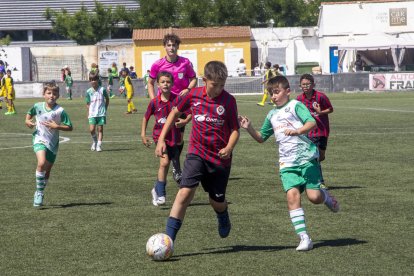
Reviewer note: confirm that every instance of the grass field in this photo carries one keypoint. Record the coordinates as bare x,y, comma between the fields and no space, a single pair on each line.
98,213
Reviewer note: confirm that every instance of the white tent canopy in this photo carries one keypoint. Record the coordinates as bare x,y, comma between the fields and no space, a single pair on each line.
396,44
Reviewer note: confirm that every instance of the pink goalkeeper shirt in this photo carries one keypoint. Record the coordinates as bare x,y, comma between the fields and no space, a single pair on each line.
181,69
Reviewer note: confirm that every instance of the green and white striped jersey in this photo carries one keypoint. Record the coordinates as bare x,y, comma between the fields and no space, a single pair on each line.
96,101
293,150
44,135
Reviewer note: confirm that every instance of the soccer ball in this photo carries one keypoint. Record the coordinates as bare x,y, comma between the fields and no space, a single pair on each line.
160,247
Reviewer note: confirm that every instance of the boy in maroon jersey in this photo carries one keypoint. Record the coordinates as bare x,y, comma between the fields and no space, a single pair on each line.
214,134
160,107
319,106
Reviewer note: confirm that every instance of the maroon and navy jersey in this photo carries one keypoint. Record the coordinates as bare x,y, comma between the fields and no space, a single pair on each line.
322,121
160,110
212,123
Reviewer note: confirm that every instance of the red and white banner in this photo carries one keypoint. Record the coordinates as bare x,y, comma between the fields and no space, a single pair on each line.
391,81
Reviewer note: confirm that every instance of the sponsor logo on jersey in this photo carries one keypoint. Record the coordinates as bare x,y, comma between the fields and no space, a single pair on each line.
220,110
162,120
205,118
196,104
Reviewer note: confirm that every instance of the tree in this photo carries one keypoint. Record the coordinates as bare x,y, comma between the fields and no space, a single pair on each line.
5,41
84,27
158,14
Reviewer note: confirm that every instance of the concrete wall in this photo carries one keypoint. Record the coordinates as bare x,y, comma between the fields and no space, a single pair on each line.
18,60
351,82
35,89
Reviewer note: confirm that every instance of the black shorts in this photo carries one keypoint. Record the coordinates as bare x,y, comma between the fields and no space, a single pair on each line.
321,142
183,116
172,151
213,178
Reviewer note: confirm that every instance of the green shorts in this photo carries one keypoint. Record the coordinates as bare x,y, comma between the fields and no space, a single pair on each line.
50,156
306,176
100,121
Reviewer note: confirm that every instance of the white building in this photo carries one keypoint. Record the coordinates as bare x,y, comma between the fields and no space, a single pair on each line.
378,30
285,46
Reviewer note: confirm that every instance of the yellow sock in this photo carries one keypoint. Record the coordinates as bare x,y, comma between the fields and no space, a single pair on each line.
264,98
132,105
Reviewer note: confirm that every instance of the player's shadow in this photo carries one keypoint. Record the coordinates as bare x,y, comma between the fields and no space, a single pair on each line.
70,205
338,242
193,204
344,187
235,178
117,149
235,249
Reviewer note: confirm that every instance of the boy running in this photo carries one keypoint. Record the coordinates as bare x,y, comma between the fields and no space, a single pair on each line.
97,102
319,106
160,107
50,118
299,170
214,134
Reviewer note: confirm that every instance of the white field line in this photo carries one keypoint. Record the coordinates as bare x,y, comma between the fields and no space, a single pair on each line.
62,140
346,107
379,109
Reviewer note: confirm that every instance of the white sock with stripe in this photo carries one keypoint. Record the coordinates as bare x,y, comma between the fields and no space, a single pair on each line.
40,182
297,217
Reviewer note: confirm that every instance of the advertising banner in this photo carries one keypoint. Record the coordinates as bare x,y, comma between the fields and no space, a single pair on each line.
391,81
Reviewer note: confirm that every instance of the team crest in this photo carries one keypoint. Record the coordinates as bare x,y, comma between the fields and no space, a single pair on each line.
180,76
287,109
314,104
220,110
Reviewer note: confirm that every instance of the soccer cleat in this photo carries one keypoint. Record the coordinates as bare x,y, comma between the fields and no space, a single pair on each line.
38,199
129,112
134,111
154,197
224,225
305,244
93,147
161,200
177,176
334,207
260,104
98,148
113,96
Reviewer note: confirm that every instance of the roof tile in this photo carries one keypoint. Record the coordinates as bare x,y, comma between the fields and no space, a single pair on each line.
198,32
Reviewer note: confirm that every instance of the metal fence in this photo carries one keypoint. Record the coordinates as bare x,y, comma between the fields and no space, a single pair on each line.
241,85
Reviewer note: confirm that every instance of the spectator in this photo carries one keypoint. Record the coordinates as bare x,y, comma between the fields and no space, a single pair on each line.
132,73
241,68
